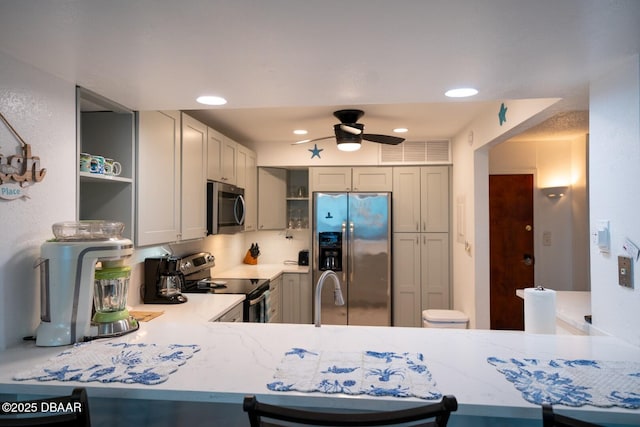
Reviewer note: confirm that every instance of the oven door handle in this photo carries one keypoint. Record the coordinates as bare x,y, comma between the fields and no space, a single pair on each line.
257,300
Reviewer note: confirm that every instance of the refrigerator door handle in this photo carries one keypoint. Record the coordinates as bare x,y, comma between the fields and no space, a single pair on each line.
345,254
351,253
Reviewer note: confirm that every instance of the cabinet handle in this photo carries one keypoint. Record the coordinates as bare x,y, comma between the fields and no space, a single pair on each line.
417,240
424,225
417,225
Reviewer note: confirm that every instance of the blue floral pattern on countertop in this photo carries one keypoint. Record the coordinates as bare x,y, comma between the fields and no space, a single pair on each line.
573,382
369,372
113,362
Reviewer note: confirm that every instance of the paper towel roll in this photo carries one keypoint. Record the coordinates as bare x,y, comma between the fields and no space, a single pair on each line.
540,310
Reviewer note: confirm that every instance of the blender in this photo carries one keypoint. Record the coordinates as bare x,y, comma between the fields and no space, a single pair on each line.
82,267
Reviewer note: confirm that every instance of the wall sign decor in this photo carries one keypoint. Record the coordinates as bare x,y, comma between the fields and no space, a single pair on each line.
315,151
502,114
17,172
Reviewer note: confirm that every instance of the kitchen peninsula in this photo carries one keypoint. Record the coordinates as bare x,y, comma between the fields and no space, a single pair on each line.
236,359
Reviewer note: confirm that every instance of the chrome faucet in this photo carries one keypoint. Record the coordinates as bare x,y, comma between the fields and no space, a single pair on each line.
337,293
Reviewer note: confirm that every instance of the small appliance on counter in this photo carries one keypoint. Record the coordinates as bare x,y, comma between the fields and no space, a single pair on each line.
163,281
303,257
73,286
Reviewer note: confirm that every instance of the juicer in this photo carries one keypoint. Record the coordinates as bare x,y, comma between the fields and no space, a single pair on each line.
82,268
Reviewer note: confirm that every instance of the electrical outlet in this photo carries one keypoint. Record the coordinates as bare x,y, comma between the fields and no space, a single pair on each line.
625,275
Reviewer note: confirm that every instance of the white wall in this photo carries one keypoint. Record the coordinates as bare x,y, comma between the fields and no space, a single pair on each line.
471,184
552,163
42,110
614,176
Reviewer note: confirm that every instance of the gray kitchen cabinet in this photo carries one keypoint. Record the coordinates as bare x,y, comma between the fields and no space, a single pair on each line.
159,165
235,314
247,178
421,248
421,275
296,298
423,194
193,179
107,129
274,300
221,160
272,192
351,179
298,200
171,204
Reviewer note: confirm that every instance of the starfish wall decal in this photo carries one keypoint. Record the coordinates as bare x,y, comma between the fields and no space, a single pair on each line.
315,151
502,114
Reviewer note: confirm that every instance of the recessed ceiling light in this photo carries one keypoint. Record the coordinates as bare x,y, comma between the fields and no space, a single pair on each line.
462,92
300,132
211,100
401,130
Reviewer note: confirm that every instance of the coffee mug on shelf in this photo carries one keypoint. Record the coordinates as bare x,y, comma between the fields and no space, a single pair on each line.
97,165
85,162
111,167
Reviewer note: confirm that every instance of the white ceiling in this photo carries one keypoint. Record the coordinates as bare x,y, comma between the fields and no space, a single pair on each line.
287,64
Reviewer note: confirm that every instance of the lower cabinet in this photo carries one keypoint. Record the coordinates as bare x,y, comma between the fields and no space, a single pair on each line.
274,301
296,298
421,275
233,315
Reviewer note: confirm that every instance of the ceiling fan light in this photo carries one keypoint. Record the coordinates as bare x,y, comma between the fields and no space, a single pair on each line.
348,146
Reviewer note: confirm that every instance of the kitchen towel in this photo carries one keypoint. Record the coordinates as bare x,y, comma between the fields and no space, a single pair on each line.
540,310
573,382
113,362
368,372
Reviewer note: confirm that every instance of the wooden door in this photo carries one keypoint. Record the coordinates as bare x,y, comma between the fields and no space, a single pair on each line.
511,247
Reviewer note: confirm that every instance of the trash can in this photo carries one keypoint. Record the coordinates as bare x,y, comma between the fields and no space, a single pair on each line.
452,319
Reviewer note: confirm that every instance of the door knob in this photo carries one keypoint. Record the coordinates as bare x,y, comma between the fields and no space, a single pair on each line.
527,259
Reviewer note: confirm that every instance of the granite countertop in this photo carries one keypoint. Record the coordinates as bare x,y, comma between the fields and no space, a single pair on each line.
198,308
241,358
259,271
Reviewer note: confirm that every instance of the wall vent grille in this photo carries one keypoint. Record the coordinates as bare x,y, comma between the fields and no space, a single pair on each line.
416,152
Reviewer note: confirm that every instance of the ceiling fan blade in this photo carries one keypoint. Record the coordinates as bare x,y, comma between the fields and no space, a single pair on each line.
382,139
304,141
351,129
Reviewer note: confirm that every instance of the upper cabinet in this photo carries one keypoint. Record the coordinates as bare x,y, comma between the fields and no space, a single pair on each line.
423,193
221,163
159,168
272,184
106,131
351,179
194,178
172,150
247,178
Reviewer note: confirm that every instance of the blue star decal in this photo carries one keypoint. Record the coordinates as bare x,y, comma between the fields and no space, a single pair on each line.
502,115
315,151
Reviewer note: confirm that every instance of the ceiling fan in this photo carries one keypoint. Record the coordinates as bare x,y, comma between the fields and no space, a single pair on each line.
349,134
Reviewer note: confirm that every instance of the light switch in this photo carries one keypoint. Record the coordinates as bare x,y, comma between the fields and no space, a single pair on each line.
546,238
625,275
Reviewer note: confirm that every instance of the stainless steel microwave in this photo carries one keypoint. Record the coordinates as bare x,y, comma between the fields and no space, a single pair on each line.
225,208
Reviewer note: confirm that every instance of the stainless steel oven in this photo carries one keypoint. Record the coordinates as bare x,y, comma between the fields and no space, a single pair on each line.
225,208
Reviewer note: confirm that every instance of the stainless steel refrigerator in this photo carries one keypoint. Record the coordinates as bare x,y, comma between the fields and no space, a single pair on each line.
352,235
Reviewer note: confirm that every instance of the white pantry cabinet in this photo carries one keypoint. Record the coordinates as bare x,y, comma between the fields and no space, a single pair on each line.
221,161
421,248
159,166
423,194
421,278
351,179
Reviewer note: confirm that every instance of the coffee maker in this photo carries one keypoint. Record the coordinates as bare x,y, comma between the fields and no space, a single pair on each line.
72,286
163,281
330,251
